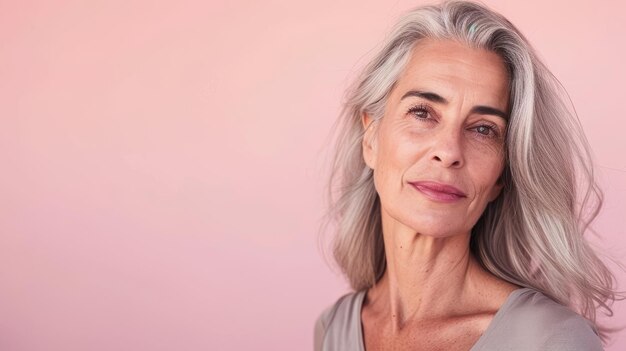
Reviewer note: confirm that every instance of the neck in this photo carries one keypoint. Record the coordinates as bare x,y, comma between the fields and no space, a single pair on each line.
426,277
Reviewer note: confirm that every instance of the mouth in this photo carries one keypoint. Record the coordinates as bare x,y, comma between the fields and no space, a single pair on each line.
438,191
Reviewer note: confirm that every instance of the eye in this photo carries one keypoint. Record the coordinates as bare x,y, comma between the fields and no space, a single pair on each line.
420,112
487,130
483,130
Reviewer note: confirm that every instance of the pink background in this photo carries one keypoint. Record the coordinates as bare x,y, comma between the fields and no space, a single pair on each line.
162,163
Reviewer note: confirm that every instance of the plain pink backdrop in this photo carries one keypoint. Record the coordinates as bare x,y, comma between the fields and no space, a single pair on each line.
162,162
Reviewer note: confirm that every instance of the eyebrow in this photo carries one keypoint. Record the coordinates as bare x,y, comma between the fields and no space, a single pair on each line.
480,109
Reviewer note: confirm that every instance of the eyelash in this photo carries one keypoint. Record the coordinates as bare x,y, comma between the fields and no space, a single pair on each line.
421,108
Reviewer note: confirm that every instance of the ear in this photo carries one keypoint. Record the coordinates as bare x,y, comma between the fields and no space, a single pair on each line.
369,140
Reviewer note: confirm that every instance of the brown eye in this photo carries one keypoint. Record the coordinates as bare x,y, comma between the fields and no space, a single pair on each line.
420,112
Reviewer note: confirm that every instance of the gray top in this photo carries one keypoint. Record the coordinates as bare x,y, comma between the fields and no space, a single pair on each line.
528,320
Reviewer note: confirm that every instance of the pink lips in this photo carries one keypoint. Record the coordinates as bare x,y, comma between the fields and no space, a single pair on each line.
439,192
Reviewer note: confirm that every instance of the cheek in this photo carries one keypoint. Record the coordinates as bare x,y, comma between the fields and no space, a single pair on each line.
486,169
397,152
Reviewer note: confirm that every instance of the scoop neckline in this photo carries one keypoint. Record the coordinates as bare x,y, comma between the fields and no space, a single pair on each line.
481,340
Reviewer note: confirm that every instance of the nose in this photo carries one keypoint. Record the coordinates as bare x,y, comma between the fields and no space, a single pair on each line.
447,150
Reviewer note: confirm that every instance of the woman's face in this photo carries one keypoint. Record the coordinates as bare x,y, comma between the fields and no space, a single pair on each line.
438,151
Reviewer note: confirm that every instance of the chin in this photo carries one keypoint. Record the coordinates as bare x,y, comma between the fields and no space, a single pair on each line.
435,226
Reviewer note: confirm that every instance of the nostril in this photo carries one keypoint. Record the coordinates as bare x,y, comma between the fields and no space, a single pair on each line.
455,163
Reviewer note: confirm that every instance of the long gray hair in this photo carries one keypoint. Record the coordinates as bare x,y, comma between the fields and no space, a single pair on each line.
532,234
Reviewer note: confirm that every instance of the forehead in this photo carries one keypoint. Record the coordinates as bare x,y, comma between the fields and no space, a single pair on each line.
455,70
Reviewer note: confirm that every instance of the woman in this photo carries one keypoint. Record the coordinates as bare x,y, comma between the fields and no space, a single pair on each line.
458,221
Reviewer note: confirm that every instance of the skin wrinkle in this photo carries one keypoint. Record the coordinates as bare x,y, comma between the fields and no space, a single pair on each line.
432,281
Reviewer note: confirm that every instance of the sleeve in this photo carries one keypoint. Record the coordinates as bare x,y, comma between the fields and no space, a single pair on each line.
574,334
321,324
318,335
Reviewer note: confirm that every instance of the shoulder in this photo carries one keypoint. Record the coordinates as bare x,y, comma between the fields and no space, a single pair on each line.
533,319
337,317
573,334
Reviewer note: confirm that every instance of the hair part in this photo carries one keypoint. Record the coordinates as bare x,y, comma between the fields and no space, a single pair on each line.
532,234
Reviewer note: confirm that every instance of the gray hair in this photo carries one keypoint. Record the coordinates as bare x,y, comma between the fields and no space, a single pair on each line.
532,234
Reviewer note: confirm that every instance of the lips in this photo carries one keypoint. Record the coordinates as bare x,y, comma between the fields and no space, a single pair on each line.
439,191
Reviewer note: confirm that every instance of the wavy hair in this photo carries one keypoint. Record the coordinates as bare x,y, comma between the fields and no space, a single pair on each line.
532,234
